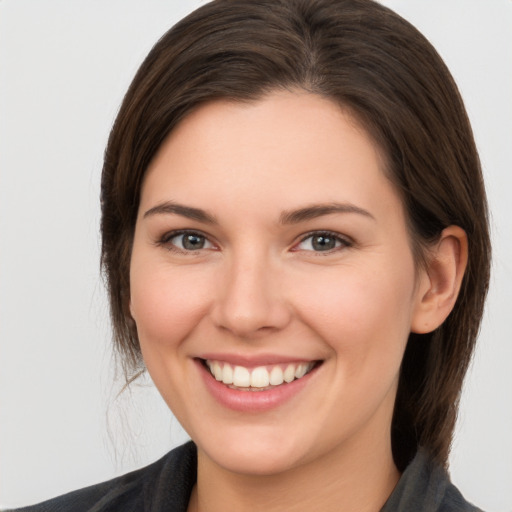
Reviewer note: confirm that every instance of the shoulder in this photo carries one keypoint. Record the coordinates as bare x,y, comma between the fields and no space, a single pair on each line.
425,486
156,487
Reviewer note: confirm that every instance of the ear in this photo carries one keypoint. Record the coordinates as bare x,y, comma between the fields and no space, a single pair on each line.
130,305
440,281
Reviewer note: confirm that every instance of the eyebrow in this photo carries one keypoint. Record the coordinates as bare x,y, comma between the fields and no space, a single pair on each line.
319,210
170,207
286,217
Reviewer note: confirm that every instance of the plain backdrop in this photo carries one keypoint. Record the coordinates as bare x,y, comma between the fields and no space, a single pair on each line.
64,67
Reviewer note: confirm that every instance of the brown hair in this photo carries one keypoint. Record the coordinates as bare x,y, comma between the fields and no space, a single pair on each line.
369,60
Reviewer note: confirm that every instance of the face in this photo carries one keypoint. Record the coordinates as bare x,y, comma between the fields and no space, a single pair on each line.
272,282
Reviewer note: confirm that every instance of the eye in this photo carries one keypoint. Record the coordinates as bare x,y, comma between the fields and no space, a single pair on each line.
322,242
187,241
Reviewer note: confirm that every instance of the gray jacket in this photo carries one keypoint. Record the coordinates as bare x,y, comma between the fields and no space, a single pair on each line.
165,486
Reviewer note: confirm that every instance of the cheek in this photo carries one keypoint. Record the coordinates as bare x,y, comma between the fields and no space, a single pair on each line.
166,303
360,312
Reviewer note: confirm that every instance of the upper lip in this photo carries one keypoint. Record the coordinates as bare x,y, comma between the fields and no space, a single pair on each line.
254,360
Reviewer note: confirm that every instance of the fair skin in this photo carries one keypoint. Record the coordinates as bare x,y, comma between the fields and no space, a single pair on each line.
269,237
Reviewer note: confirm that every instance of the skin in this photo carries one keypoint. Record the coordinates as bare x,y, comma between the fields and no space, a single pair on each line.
258,286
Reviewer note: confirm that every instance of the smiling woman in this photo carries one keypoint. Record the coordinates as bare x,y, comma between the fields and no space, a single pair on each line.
319,286
295,241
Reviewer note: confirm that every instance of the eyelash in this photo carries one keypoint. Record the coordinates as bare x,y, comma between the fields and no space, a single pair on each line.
340,241
165,241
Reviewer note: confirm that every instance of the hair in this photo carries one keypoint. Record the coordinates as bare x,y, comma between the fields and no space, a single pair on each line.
367,59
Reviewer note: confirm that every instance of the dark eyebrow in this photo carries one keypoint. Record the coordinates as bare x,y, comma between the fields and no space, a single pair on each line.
189,212
319,210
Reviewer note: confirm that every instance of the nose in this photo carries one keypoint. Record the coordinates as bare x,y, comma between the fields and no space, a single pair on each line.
251,301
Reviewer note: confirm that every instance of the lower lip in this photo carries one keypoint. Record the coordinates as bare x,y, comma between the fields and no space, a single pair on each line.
252,401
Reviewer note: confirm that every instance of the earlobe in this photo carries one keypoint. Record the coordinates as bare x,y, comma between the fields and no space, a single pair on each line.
441,281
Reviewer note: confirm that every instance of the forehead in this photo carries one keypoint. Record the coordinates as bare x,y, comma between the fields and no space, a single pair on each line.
299,143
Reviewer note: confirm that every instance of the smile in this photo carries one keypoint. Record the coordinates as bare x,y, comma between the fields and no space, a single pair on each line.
260,378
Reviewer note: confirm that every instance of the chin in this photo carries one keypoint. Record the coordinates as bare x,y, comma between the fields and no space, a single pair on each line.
244,449
256,461
257,451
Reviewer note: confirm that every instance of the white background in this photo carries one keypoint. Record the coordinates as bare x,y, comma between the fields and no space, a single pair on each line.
64,66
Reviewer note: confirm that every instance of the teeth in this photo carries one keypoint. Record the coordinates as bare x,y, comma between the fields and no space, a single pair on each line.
300,371
241,377
259,377
227,374
217,371
289,373
276,376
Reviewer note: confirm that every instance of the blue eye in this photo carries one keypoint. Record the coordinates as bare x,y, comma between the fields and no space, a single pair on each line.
188,241
322,242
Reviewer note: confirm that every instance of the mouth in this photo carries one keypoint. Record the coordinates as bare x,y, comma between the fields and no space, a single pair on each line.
259,378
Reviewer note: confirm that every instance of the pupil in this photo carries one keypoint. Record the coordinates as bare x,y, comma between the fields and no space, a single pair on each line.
193,242
323,243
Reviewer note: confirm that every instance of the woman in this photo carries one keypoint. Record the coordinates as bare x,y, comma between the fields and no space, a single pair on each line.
296,248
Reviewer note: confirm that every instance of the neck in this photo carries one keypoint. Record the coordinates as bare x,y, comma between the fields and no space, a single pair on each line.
349,480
